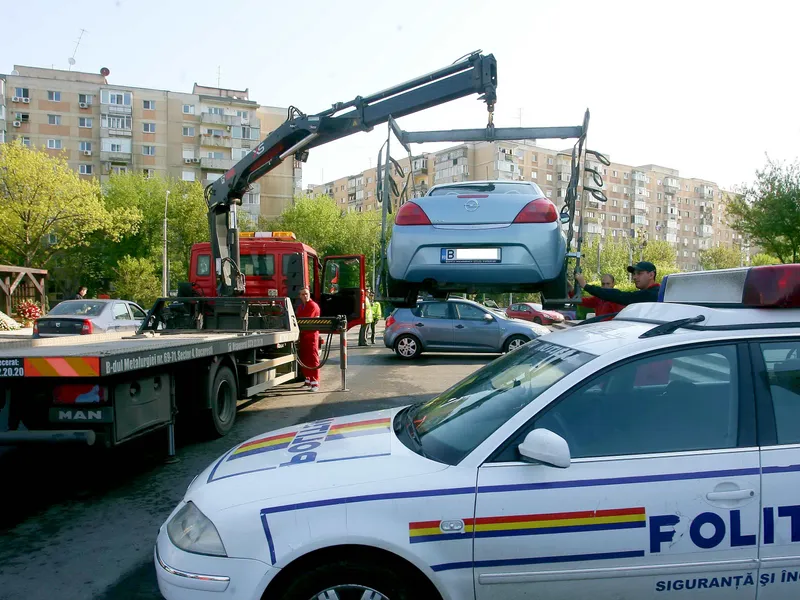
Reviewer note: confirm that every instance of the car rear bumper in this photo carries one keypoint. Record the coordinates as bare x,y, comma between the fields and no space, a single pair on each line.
530,253
186,576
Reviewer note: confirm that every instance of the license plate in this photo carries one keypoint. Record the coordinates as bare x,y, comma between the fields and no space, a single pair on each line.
470,255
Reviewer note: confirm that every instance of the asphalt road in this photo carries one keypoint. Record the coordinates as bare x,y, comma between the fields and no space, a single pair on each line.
80,523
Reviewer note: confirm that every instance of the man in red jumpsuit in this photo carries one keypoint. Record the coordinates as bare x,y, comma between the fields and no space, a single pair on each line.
309,342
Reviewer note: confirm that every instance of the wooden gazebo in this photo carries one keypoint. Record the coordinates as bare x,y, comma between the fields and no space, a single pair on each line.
21,283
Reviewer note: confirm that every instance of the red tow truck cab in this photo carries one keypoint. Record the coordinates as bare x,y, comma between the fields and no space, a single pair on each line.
275,264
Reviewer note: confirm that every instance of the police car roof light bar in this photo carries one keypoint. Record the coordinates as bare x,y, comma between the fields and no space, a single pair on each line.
772,286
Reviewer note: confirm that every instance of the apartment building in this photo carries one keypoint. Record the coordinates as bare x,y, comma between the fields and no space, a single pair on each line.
648,202
103,129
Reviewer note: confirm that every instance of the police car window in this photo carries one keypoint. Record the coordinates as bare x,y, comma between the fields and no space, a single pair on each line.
435,310
454,423
677,401
783,373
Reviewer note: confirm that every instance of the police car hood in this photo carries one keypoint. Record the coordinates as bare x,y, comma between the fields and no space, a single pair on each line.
324,454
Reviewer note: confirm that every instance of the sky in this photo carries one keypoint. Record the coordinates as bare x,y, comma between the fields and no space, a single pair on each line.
706,87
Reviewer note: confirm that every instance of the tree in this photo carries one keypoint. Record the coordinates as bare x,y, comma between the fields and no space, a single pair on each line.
136,280
720,257
761,259
767,213
47,207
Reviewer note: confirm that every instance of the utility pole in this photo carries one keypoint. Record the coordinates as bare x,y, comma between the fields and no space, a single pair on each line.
165,268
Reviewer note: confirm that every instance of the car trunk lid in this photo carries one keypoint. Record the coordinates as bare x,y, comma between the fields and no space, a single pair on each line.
60,325
473,208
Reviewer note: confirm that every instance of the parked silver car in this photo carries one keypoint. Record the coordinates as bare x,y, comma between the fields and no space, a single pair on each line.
84,317
478,236
455,326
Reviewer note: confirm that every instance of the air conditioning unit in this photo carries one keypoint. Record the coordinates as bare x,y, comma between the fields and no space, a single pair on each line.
87,152
83,105
17,123
196,160
26,100
188,160
16,99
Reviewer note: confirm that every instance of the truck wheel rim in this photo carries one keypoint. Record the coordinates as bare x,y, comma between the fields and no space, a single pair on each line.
407,347
349,592
224,401
515,343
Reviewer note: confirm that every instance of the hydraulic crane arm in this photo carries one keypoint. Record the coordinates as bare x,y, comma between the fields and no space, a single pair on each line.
477,74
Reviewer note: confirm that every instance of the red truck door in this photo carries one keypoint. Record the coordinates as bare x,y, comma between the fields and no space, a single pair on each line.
343,288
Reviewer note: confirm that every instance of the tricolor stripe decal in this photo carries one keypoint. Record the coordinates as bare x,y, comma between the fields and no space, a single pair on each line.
265,444
63,366
358,428
539,524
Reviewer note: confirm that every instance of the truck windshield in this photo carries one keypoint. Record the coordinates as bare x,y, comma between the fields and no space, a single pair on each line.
262,265
453,424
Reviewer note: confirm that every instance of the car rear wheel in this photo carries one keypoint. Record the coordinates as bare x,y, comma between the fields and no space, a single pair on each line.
537,320
407,347
514,342
344,579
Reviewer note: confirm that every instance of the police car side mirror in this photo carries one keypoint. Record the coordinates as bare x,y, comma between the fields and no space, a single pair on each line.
544,446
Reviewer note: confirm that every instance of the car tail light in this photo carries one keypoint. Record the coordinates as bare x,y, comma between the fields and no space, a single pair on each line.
412,214
390,320
36,327
87,327
79,393
540,210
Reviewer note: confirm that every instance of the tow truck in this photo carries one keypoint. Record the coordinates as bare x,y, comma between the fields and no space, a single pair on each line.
197,356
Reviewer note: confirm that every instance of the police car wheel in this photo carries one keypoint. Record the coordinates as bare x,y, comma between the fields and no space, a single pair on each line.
345,580
407,347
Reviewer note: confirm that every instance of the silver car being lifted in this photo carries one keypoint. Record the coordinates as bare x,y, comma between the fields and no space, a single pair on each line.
478,236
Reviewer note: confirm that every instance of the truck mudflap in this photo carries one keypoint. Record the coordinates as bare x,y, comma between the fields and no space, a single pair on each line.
76,436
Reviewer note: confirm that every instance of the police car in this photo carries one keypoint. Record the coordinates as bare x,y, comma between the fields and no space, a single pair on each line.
654,455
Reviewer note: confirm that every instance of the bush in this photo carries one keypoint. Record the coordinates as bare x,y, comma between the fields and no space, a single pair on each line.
136,280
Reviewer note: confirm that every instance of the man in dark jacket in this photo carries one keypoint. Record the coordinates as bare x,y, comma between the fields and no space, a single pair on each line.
644,278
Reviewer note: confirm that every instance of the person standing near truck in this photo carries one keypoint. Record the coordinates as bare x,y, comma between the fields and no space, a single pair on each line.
376,316
309,342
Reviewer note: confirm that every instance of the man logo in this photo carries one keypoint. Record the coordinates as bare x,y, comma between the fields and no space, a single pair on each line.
80,415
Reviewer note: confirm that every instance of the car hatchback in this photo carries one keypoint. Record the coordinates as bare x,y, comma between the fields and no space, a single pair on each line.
492,236
455,326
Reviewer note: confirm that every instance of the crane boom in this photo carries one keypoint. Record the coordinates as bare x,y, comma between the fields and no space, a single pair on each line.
476,74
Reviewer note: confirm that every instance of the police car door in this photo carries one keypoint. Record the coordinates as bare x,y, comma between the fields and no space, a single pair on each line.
777,366
661,496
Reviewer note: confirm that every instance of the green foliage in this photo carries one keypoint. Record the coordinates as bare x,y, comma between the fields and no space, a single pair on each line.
767,213
761,259
47,207
136,280
721,257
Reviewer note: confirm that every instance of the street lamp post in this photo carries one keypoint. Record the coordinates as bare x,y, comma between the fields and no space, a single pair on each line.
165,268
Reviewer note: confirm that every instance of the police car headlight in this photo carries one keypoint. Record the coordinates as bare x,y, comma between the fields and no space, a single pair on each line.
192,531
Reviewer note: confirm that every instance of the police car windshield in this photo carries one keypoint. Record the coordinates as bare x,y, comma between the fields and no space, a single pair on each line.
453,424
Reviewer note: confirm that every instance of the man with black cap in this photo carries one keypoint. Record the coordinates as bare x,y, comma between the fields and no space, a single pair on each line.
644,278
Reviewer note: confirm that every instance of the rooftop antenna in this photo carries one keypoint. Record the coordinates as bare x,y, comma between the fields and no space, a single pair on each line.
71,59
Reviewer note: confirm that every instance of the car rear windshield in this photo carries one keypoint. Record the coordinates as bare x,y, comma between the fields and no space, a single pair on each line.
84,308
453,424
488,188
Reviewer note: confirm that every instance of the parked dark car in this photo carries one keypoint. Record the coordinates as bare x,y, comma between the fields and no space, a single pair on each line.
84,317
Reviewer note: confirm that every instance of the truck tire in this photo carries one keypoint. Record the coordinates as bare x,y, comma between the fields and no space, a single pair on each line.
222,395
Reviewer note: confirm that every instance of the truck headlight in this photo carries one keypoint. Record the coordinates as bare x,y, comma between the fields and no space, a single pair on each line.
192,531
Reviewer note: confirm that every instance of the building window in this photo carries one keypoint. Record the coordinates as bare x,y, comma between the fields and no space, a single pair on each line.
148,150
615,173
54,119
85,146
658,181
149,127
549,161
148,173
54,96
625,204
549,193
148,104
533,157
116,122
188,109
534,175
187,176
26,141
22,92
119,98
85,169
24,117
85,98
115,147
613,217
188,132
549,177
217,155
625,175
119,170
85,122
54,144
624,219
215,110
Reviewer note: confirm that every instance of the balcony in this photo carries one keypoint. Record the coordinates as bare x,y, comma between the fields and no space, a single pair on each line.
215,119
672,186
215,141
114,132
115,157
218,164
672,224
707,192
115,109
421,170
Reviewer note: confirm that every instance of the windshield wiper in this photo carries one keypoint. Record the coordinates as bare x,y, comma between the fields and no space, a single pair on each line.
406,421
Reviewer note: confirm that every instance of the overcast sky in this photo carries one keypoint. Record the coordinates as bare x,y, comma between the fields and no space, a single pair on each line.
706,87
